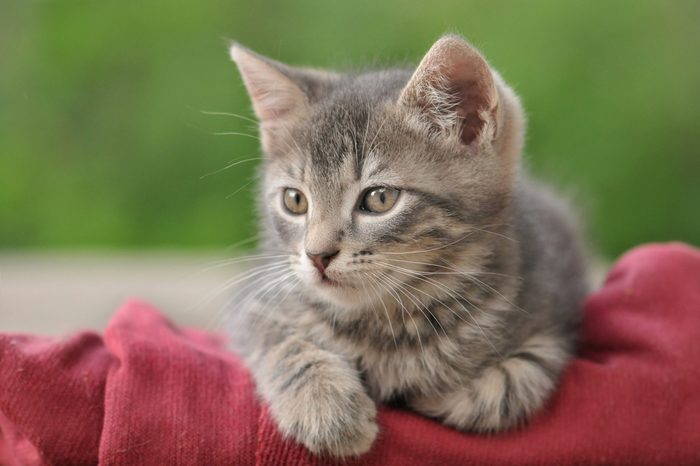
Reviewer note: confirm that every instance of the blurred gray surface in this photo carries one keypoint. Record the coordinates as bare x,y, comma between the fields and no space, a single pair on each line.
55,294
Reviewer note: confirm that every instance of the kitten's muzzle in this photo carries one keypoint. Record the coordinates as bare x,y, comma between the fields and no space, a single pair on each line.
321,260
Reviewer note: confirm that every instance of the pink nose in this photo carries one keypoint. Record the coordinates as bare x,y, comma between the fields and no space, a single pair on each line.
321,259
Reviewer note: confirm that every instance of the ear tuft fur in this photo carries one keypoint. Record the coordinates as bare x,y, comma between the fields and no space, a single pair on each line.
455,91
273,94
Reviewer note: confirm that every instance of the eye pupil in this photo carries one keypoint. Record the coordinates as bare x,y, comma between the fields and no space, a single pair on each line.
379,200
294,201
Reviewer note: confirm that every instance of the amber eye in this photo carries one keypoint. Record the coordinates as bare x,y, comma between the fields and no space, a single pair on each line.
295,201
379,200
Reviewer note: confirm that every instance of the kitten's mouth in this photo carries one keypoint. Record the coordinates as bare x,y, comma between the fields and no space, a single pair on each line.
330,282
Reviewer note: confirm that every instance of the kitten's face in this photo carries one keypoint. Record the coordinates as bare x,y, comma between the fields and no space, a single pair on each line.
363,188
370,202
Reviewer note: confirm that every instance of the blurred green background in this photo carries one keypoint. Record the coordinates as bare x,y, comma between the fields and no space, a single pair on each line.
104,139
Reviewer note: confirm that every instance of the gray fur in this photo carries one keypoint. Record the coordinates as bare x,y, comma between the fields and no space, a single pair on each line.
463,300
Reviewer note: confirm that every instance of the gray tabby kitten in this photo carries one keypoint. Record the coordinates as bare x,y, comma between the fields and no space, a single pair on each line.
416,261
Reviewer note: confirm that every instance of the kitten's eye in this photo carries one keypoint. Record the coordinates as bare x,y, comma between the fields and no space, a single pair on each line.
379,200
295,201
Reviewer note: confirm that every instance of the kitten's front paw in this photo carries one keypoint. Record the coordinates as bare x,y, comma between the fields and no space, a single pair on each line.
503,397
327,410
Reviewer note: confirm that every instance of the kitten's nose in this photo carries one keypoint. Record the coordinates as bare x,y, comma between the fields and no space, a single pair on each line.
322,259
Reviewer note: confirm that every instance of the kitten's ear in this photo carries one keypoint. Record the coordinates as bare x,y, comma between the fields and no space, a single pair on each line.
455,91
280,94
273,93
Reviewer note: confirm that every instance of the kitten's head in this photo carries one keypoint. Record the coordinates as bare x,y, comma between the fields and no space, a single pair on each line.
372,177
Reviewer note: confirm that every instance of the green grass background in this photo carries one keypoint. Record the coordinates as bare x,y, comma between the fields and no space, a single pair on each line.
103,142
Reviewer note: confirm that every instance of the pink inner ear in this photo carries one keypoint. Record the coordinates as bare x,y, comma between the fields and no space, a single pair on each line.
472,85
454,87
472,103
272,104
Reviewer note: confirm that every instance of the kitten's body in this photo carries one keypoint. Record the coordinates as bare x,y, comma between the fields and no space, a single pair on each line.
461,300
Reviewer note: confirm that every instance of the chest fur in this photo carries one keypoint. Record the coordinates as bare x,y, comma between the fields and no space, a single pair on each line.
391,371
399,363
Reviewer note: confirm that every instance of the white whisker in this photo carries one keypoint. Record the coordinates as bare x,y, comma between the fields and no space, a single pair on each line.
246,275
230,114
229,196
235,133
453,294
391,327
403,307
494,233
419,305
230,165
472,276
238,260
437,248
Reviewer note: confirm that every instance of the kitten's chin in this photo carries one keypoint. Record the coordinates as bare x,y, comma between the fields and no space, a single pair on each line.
339,294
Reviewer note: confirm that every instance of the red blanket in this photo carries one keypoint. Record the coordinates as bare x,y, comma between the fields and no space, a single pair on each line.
149,393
